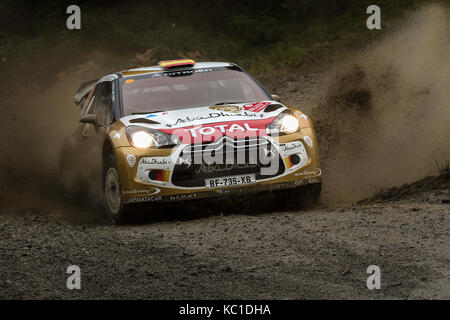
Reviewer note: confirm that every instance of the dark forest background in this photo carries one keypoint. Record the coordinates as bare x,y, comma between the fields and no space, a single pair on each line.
271,39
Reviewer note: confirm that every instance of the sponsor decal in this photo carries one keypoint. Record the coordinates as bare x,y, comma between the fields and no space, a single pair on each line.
131,159
150,191
156,162
289,147
308,141
158,166
184,196
307,181
175,197
232,109
294,154
213,115
288,162
256,107
316,172
292,148
156,114
163,175
181,73
144,199
224,128
222,167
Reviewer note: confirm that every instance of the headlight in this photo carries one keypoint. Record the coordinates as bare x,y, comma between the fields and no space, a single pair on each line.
289,124
285,123
142,137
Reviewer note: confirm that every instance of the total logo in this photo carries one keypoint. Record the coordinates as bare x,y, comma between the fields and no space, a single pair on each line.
224,128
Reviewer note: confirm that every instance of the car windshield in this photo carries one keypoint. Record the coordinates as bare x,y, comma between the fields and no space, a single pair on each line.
186,89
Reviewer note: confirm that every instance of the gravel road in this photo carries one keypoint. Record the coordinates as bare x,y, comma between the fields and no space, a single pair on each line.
236,251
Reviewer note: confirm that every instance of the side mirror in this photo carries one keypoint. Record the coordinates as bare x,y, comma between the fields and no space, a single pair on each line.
276,97
89,118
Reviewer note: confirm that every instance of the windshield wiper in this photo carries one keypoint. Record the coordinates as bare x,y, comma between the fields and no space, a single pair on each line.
226,102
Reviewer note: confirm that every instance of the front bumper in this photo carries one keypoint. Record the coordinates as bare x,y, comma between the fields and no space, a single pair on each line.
175,182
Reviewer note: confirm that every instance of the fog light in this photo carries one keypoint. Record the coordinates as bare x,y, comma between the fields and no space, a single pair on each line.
295,159
159,175
291,161
152,174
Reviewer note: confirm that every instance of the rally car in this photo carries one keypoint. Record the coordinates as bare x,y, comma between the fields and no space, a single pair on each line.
183,130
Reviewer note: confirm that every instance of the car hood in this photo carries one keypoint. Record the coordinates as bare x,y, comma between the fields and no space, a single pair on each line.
203,124
206,115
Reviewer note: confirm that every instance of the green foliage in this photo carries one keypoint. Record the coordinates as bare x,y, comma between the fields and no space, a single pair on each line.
269,38
255,29
301,8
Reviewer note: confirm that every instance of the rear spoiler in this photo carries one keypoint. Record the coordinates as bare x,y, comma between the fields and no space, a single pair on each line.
83,91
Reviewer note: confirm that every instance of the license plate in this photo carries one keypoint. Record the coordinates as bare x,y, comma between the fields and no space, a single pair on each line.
230,181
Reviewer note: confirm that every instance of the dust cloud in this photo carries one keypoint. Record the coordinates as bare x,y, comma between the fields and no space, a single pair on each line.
35,121
385,118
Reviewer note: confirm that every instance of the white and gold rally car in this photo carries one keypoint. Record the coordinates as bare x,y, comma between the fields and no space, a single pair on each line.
183,130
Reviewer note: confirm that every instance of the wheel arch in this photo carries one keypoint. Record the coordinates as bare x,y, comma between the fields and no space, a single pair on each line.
108,149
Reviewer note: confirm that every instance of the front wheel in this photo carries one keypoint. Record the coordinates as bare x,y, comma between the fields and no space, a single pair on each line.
113,202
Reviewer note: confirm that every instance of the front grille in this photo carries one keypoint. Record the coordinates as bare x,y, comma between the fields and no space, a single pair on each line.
224,157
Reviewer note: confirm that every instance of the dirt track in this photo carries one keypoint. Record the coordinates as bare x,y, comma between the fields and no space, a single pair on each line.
197,252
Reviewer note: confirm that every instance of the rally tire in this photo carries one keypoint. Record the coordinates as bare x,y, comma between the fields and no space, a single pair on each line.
112,195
